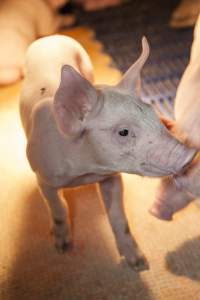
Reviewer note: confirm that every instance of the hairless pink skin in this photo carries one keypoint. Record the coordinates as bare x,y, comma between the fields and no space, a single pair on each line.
78,133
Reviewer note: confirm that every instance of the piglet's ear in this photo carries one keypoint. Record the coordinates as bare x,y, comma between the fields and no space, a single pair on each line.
131,80
73,102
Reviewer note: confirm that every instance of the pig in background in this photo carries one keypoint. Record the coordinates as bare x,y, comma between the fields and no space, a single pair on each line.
79,133
173,196
21,22
185,14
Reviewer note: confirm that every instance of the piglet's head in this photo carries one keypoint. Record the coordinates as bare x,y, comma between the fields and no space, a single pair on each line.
119,131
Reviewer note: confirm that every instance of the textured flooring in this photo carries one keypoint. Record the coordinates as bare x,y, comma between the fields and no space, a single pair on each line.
120,29
30,268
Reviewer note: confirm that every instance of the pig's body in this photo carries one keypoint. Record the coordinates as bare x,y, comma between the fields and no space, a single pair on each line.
53,52
21,22
187,102
79,134
36,103
171,199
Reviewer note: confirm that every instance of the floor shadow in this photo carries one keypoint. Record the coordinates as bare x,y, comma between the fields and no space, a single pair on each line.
185,260
89,271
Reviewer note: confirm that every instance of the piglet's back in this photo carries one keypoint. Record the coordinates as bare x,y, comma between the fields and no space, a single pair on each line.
44,60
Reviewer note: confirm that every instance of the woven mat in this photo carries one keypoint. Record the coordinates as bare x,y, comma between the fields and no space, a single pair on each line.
30,268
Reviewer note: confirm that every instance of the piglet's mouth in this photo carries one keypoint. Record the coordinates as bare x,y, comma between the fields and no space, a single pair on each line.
188,162
159,171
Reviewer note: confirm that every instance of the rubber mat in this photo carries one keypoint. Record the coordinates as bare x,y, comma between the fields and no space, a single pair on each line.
120,29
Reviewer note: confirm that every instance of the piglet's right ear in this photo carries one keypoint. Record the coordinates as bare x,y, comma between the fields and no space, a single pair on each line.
74,101
131,79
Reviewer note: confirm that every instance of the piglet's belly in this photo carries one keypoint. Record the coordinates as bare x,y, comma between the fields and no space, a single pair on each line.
87,179
64,180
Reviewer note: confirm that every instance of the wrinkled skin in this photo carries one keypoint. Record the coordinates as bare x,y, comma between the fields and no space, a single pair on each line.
78,133
187,127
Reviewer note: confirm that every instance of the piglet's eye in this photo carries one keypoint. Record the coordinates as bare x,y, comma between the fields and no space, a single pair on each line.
124,132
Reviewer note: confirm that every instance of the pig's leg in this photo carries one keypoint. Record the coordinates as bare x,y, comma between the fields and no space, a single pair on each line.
60,217
169,200
112,192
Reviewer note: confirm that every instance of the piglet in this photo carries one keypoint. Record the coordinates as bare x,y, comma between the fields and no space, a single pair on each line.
174,195
79,133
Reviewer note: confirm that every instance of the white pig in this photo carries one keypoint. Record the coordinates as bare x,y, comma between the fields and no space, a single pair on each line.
78,133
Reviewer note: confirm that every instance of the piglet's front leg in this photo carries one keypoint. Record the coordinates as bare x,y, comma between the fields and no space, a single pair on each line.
112,192
59,215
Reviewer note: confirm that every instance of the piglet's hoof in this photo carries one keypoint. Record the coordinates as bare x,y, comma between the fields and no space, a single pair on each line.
63,241
63,246
137,263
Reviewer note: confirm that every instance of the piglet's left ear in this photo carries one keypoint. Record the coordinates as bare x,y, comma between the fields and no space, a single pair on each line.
74,101
131,80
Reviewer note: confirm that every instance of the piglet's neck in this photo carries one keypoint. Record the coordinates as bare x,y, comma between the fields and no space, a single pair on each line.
82,159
